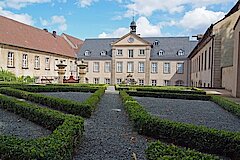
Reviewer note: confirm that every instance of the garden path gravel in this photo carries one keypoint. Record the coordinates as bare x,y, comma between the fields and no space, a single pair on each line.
76,96
14,125
196,112
109,135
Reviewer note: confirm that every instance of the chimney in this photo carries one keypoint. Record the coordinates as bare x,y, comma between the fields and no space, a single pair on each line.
45,29
54,33
198,36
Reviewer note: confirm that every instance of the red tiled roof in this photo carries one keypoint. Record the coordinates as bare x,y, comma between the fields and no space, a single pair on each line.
21,35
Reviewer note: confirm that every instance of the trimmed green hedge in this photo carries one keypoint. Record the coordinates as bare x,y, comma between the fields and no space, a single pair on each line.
169,95
198,137
67,131
161,151
228,105
84,109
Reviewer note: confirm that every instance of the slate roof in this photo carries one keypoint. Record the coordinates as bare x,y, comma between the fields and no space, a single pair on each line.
21,35
171,45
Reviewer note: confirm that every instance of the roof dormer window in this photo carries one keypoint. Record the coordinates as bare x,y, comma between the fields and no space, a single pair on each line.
180,52
87,53
161,52
156,43
103,53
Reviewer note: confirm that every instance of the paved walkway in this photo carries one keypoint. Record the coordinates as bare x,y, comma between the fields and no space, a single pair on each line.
108,133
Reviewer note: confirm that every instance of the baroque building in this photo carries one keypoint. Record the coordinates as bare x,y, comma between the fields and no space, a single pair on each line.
135,59
29,51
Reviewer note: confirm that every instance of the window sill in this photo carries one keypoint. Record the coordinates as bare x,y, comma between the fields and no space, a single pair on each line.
47,69
37,68
25,68
154,72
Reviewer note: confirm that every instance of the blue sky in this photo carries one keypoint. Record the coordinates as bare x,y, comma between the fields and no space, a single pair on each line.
111,18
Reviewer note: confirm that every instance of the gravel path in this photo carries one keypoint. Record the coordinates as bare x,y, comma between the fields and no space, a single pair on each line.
109,135
76,96
196,112
14,125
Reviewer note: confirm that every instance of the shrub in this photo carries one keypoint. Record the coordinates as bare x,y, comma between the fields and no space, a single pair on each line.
67,131
84,109
197,137
159,151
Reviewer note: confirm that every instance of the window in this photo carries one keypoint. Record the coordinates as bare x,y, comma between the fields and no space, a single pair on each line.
107,81
95,66
119,67
71,66
141,82
130,67
180,68
107,67
154,82
142,52
154,67
25,61
179,83
161,52
10,60
156,43
96,80
87,53
141,67
87,69
202,62
119,52
86,80
166,68
167,83
180,52
47,63
205,62
199,63
130,53
37,62
119,80
103,53
55,64
209,57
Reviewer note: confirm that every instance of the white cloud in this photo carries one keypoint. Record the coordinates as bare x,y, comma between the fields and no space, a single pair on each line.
144,27
199,19
57,22
18,4
24,18
147,7
85,3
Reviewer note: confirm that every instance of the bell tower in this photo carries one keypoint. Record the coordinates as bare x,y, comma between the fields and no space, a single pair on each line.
133,27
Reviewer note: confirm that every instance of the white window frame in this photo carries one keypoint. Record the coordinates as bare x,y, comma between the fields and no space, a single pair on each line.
166,82
107,66
119,52
10,59
24,61
154,82
141,82
96,80
107,81
119,81
130,67
180,68
87,53
161,52
154,67
130,53
179,83
55,64
180,52
47,63
167,68
37,62
141,52
119,67
96,67
141,67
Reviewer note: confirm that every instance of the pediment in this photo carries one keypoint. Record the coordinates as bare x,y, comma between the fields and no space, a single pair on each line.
131,40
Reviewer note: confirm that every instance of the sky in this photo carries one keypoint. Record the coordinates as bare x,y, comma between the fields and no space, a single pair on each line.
111,18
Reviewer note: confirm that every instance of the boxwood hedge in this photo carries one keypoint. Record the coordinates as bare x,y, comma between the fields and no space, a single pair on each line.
84,109
160,151
66,129
197,137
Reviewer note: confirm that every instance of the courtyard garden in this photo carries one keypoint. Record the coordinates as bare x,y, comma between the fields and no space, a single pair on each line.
86,121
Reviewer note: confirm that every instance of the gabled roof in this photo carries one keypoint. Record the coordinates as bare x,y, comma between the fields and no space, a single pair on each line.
21,35
75,42
171,45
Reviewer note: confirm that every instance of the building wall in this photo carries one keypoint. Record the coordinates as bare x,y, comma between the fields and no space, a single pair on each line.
227,83
236,64
42,72
200,74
